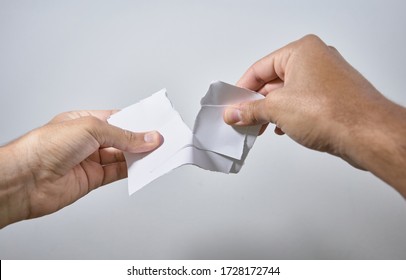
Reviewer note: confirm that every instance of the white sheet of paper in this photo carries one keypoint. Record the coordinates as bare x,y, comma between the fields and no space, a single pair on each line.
213,145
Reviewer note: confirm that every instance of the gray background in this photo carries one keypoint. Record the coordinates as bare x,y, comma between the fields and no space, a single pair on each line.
286,203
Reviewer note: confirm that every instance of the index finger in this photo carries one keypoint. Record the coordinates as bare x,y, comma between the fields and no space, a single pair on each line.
100,114
265,70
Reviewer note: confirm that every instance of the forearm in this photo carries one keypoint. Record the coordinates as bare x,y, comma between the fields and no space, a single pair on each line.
380,145
13,187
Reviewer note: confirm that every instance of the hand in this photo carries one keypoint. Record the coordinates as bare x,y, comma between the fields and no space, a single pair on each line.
55,165
320,101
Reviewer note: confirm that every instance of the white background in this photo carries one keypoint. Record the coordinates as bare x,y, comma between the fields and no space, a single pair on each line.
286,203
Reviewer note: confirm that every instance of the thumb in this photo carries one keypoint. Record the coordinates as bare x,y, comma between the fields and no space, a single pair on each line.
248,113
111,136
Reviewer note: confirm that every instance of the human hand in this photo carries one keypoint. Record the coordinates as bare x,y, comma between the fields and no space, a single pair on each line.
320,101
55,165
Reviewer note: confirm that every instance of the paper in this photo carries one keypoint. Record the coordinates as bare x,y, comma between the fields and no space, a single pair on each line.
212,145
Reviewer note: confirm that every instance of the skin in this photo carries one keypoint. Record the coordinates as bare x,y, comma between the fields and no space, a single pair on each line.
319,100
311,93
56,164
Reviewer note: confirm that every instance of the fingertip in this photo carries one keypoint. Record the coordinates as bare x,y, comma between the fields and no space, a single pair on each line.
243,82
279,131
232,116
262,129
114,111
240,83
144,142
153,139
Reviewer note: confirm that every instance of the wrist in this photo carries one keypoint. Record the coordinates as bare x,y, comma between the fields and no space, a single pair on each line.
376,143
14,180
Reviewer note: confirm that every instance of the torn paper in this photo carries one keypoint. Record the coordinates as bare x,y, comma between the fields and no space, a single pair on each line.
212,145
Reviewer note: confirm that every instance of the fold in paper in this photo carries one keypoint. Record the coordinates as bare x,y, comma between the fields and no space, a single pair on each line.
212,145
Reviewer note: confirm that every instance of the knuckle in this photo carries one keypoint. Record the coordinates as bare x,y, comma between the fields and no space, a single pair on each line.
60,117
66,116
311,41
91,122
249,113
332,48
119,156
252,109
311,45
253,73
92,125
131,137
311,38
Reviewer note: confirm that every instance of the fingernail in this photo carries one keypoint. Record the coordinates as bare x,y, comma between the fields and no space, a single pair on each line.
233,115
151,137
